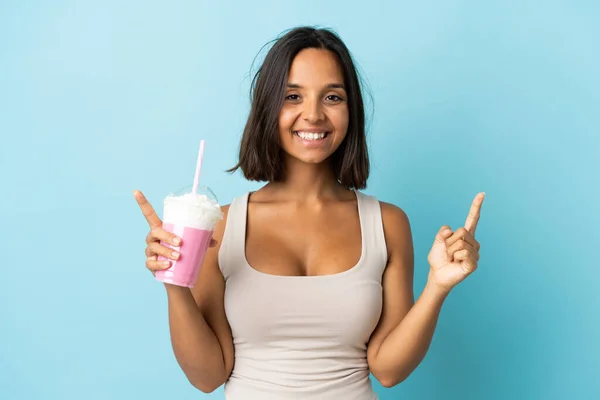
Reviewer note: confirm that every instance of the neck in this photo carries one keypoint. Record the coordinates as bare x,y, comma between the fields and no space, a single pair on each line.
308,182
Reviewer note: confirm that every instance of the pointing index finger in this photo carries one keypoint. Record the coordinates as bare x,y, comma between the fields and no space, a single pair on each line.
474,213
147,209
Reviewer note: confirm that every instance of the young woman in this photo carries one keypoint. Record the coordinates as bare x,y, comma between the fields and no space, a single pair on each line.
308,286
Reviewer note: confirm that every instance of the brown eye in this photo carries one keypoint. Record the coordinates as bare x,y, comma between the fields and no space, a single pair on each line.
292,97
334,98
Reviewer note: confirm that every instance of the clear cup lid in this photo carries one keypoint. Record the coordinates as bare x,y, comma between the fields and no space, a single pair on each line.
202,190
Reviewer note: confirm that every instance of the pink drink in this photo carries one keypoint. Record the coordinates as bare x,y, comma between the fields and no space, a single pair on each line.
184,271
192,218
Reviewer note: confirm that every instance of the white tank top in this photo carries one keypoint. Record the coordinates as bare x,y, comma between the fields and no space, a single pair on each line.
302,337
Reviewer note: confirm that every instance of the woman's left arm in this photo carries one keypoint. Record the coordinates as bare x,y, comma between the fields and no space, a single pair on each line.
403,335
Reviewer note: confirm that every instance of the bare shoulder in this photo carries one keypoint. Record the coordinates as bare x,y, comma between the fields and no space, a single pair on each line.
392,213
396,227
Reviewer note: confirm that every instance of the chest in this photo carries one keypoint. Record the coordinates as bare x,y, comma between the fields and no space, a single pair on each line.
307,312
295,241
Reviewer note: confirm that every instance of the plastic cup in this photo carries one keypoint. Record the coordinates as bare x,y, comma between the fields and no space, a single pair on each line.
192,218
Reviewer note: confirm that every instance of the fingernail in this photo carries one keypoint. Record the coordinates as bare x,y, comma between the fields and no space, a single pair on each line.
176,240
165,263
175,254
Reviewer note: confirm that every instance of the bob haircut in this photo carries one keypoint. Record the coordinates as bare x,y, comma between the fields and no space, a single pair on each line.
261,155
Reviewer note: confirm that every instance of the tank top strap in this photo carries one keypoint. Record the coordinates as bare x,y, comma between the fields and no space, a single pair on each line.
232,250
372,229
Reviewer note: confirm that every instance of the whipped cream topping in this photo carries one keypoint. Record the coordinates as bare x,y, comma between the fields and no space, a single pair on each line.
195,211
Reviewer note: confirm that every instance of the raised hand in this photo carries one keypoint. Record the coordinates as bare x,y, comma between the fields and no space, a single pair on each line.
454,255
156,235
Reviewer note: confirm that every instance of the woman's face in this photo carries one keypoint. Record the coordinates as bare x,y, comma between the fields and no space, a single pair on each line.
313,120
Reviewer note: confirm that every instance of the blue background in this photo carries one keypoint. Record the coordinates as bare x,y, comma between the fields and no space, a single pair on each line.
100,98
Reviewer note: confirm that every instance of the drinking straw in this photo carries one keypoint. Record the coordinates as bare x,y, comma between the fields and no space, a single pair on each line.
198,167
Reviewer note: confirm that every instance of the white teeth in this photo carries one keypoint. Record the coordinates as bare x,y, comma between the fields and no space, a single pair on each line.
311,136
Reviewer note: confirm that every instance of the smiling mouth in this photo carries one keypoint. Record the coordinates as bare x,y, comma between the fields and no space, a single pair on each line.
311,136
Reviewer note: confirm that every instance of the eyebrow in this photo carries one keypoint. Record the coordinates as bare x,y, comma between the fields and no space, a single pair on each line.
328,86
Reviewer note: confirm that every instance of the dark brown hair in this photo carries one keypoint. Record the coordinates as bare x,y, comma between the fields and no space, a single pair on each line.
260,156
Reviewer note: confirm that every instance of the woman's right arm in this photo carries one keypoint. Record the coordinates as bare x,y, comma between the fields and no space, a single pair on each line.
200,334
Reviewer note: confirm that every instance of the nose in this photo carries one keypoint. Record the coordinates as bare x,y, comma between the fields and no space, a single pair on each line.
313,111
